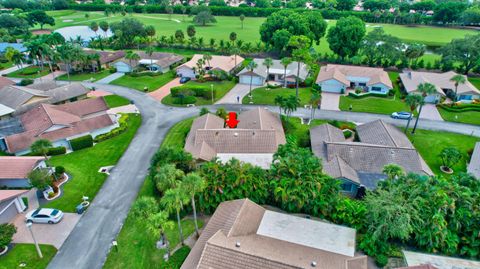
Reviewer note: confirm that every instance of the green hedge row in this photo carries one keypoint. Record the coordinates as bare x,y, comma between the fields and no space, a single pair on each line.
51,152
120,129
81,142
185,100
461,108
368,94
193,90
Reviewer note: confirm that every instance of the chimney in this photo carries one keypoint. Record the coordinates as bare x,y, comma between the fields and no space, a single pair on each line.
409,74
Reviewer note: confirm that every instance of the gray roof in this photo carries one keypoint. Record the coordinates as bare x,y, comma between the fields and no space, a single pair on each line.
10,126
277,68
474,165
363,162
5,110
15,96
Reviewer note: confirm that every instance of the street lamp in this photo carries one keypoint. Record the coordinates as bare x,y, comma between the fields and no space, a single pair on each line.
29,226
211,86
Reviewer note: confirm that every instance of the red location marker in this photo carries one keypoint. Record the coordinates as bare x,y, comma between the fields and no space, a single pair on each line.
232,120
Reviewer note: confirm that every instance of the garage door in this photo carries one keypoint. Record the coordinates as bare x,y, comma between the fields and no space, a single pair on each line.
431,98
256,80
331,86
9,213
122,68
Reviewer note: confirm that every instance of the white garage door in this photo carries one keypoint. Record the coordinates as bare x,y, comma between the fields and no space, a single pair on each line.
331,86
8,213
431,98
256,80
122,67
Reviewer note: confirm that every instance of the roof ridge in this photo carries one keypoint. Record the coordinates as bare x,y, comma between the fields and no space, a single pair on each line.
367,145
388,133
245,200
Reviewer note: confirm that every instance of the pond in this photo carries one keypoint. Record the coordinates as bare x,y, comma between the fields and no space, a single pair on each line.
84,32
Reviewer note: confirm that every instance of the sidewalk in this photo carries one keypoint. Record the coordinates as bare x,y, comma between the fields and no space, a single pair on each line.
111,78
163,91
239,90
11,69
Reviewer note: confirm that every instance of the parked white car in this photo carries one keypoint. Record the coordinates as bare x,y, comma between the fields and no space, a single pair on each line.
44,215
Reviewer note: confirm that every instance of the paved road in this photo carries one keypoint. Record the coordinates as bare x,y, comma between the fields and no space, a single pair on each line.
88,244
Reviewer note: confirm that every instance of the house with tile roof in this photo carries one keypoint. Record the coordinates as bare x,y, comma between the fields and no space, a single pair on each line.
338,78
244,235
60,123
277,72
429,261
255,140
14,170
11,204
218,62
465,92
474,165
157,62
360,164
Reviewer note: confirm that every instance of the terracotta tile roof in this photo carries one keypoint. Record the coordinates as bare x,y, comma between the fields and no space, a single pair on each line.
411,80
107,56
17,167
9,194
342,72
225,63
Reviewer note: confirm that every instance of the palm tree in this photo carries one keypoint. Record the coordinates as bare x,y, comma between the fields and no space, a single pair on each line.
167,177
268,62
393,171
458,79
413,101
235,51
291,104
150,50
206,58
15,56
280,101
132,56
250,67
66,56
104,26
94,27
315,100
41,146
424,89
285,62
173,201
193,184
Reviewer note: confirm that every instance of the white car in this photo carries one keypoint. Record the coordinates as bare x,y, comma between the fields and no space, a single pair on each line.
44,215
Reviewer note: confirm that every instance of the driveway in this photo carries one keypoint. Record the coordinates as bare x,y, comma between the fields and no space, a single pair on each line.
110,78
430,112
163,91
330,101
239,90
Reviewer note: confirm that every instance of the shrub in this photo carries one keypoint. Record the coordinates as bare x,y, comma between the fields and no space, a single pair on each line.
367,94
59,170
112,70
184,100
381,260
347,133
81,142
194,90
51,194
31,71
56,151
6,234
122,128
26,81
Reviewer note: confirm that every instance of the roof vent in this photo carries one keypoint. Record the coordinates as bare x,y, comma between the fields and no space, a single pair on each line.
237,244
314,264
235,134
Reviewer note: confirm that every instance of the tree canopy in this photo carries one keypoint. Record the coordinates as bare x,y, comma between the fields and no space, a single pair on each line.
346,36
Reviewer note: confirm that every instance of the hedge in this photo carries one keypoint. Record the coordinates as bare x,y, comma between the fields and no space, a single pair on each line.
143,74
120,129
460,108
194,90
81,142
26,81
368,94
185,100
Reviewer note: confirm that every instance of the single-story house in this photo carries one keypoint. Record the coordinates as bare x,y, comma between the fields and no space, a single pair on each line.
105,59
338,78
276,72
360,164
436,261
21,98
61,123
157,62
15,170
442,81
11,204
242,234
223,63
255,140
474,165
18,46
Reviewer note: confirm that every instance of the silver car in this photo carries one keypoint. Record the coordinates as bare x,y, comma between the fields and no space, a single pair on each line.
44,215
401,115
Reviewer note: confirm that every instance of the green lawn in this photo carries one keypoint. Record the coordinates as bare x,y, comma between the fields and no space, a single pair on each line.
266,96
430,143
116,101
469,117
222,87
475,82
29,72
377,105
139,83
86,76
83,166
26,253
6,65
177,134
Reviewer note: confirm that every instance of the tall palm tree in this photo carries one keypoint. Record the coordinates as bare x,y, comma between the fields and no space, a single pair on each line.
167,177
206,58
235,51
393,171
315,100
280,101
173,201
193,184
413,101
250,67
268,62
150,50
458,79
285,62
15,56
424,89
132,56
41,146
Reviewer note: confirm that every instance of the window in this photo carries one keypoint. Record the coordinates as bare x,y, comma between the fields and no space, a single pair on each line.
347,186
362,84
376,89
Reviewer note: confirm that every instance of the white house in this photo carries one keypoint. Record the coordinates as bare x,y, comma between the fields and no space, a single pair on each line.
11,204
277,72
339,78
157,62
223,63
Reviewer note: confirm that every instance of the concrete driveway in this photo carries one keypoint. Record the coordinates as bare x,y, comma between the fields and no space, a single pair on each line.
330,101
163,91
110,78
430,112
239,90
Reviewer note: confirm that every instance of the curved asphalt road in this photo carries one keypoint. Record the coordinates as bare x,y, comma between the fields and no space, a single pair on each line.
88,244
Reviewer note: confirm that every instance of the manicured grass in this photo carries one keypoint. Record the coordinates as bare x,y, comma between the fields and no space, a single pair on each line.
377,105
139,83
430,143
136,247
394,78
26,72
475,82
222,87
266,96
116,101
26,253
6,65
177,134
469,117
86,76
83,166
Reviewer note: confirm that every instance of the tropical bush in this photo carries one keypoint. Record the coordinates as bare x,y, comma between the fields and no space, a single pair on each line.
26,81
193,90
81,142
122,128
6,234
56,151
184,100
